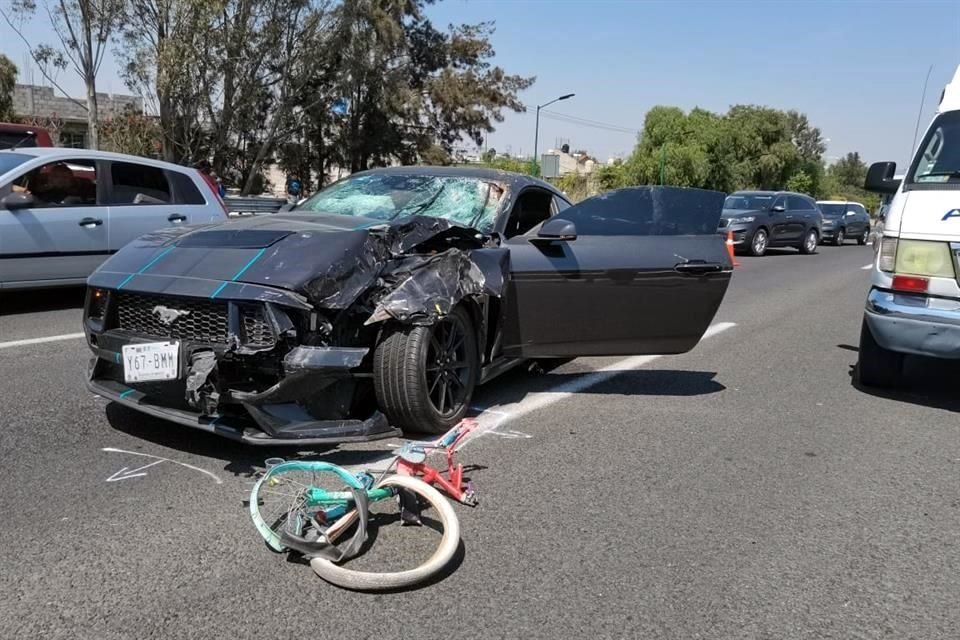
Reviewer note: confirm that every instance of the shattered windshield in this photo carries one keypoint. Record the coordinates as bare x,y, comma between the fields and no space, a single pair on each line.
468,202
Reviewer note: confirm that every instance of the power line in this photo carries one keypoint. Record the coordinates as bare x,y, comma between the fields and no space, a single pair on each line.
586,122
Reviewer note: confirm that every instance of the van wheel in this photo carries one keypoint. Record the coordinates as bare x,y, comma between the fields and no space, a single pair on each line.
424,377
864,237
877,367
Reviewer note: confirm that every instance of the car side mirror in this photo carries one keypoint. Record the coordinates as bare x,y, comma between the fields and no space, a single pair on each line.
851,213
777,209
557,229
17,200
880,178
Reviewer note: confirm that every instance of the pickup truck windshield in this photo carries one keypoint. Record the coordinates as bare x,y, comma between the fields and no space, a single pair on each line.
468,202
938,158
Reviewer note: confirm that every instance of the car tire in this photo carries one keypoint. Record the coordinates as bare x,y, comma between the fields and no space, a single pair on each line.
412,367
876,366
839,237
864,237
759,242
810,241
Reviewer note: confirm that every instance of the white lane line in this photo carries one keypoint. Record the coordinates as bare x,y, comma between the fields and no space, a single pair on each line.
867,266
158,459
23,343
490,420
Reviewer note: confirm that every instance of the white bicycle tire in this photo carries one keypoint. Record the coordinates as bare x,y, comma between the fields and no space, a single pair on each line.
371,581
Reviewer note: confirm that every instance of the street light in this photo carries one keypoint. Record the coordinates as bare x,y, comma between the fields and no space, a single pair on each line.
536,135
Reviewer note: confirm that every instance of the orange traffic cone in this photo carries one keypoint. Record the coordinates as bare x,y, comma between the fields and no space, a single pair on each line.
733,257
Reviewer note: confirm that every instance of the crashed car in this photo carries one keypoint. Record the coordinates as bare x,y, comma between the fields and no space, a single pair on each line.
380,303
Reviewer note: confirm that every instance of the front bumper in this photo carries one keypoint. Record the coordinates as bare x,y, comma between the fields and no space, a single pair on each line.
914,323
741,235
279,394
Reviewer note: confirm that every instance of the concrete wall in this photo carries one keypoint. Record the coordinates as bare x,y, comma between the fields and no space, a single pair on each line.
41,102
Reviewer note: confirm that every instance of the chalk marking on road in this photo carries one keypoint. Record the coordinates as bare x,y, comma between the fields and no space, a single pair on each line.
23,343
867,266
124,474
158,459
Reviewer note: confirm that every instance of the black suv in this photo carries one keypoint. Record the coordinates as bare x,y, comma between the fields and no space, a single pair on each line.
762,219
844,220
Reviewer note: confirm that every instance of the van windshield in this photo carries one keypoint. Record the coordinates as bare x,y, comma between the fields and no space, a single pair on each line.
938,157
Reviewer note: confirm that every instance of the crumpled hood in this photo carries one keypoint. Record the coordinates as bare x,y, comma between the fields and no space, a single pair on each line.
329,259
920,214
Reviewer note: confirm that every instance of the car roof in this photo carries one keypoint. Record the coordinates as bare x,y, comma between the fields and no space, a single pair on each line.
14,127
58,153
514,180
839,202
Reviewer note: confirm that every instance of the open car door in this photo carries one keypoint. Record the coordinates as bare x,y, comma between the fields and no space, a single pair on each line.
635,271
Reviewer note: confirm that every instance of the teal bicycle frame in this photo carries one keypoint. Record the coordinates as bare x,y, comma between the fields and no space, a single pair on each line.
333,504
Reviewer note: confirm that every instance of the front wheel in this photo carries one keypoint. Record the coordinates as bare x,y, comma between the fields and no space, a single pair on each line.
864,237
758,245
839,238
424,377
809,245
877,367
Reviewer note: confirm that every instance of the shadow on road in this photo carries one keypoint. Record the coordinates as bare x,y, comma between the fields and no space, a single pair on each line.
928,382
43,300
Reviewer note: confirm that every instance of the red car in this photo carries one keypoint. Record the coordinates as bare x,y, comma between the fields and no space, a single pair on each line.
23,135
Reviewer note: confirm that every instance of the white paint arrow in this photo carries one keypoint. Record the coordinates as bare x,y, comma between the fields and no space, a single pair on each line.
123,474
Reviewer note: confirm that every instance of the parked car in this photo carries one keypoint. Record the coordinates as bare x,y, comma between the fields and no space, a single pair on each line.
22,136
844,220
913,306
759,220
63,211
382,301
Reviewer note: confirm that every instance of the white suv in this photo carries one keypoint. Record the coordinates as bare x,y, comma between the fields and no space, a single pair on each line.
914,302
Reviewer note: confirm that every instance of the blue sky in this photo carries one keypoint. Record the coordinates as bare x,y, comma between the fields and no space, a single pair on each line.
855,68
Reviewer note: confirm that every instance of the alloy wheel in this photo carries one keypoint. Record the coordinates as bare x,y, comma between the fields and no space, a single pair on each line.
759,243
448,366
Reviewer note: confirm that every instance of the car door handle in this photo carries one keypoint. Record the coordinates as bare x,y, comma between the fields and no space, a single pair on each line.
90,222
177,217
698,268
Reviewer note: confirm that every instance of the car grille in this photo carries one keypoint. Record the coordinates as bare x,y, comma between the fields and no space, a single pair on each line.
205,321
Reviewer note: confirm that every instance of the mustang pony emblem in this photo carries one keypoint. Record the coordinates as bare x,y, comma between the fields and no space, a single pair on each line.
167,315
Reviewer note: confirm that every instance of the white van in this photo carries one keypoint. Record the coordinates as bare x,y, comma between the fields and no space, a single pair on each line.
914,302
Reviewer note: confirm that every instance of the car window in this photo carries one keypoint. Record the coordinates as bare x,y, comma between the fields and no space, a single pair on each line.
796,203
184,189
65,183
559,204
748,201
17,139
138,184
938,159
780,202
648,211
859,209
461,200
531,208
10,161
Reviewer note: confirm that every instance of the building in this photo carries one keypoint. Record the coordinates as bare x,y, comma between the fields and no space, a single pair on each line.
63,117
556,163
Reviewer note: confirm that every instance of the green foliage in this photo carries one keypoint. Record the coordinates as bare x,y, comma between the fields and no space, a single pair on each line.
800,182
8,78
133,133
506,163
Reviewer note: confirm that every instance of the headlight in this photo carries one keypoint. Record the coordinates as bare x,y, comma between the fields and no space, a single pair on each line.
97,303
924,258
743,219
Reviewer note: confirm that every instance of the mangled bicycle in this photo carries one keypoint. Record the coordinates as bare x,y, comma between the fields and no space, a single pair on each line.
309,506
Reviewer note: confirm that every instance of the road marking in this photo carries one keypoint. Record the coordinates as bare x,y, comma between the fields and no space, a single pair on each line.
489,420
23,343
123,474
867,266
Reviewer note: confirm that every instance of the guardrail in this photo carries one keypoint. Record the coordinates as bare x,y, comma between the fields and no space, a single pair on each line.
253,205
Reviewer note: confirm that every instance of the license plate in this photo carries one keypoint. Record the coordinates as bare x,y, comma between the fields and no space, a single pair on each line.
151,361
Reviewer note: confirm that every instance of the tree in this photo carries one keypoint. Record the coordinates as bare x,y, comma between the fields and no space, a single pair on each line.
84,28
133,133
8,79
850,170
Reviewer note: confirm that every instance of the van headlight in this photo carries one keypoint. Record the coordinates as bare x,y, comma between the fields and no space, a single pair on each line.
922,258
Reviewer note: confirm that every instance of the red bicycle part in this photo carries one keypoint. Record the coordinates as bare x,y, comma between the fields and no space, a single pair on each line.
452,485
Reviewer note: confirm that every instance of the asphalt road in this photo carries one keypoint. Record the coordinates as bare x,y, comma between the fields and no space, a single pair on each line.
746,489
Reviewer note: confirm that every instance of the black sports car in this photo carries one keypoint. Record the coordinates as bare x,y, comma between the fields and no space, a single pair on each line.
382,301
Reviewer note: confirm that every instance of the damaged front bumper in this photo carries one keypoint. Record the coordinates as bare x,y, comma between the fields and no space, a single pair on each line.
276,394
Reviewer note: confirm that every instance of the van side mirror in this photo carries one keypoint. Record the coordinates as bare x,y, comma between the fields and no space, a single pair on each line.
880,178
17,200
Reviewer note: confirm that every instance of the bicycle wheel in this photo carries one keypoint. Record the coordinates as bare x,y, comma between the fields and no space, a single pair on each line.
292,494
372,581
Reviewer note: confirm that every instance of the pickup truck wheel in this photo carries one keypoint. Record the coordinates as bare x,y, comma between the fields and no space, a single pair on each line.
864,237
840,237
424,376
877,367
810,240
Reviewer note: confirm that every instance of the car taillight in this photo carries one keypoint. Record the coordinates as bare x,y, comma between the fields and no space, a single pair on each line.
910,284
